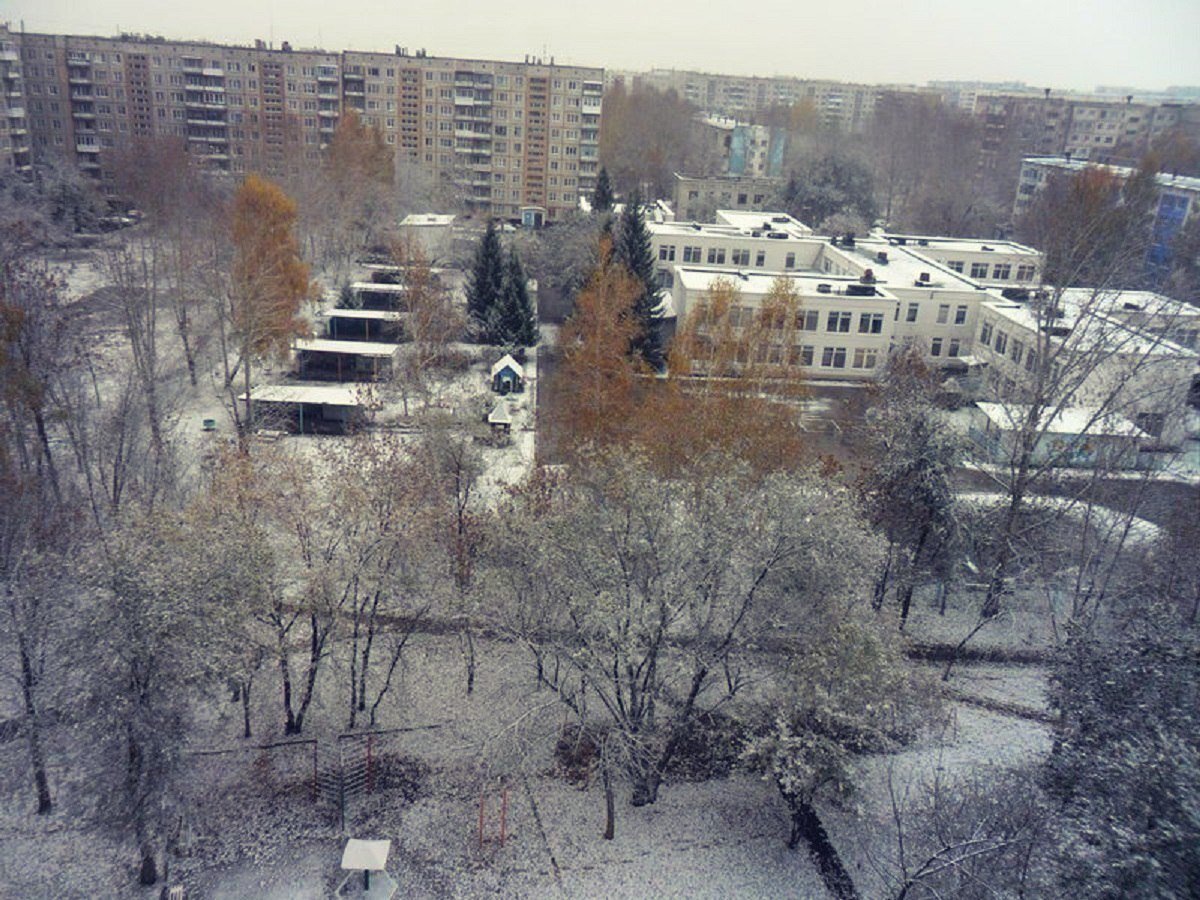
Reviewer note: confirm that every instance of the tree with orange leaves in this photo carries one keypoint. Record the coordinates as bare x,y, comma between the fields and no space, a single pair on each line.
599,378
269,281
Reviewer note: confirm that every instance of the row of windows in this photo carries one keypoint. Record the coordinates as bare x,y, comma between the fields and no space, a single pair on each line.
1000,271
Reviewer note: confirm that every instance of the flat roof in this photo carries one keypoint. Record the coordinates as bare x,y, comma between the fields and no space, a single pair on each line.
346,348
419,219
380,315
962,245
756,282
348,394
904,268
1163,179
778,220
378,288
1093,315
1067,420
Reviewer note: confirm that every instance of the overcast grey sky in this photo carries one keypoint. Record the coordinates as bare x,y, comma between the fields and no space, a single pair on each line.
1059,43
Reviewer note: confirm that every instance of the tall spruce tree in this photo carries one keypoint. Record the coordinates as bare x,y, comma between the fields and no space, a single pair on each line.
633,251
486,281
513,322
602,196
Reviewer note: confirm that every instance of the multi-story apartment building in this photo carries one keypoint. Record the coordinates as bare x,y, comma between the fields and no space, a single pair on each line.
14,124
1177,202
837,104
500,135
740,148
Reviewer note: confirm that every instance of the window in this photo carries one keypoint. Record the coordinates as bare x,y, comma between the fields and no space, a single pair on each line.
979,270
740,257
954,347
691,254
865,359
1025,273
667,252
808,319
838,321
935,347
955,266
911,315
1001,341
833,357
943,315
1016,351
760,258
870,323
1151,423
789,261
960,315
716,256
985,333
806,354
1001,271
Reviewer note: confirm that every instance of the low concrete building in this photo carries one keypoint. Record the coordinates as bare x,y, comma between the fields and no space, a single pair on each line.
1075,437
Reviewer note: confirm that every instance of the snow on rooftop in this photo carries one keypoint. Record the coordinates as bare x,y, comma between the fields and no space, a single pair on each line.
380,315
1163,179
758,282
378,288
348,394
427,219
500,415
349,348
507,360
369,855
1066,420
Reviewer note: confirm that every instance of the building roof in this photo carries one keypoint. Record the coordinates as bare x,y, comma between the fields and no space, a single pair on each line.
749,220
378,288
500,415
1091,315
1164,179
507,360
905,266
1067,420
918,242
378,315
757,282
348,394
427,220
374,349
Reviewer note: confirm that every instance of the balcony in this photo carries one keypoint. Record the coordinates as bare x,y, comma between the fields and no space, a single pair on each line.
327,113
87,148
9,56
16,112
76,78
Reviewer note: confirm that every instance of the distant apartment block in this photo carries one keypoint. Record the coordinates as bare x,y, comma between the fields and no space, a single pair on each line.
836,104
1177,202
741,148
502,135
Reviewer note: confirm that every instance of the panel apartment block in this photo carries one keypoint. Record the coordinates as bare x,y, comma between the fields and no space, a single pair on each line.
499,135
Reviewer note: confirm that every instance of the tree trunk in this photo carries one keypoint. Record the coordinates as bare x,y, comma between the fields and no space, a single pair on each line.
610,806
806,826
245,693
37,756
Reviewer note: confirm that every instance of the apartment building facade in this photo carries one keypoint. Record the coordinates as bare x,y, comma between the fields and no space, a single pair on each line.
1177,201
501,135
15,155
836,104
